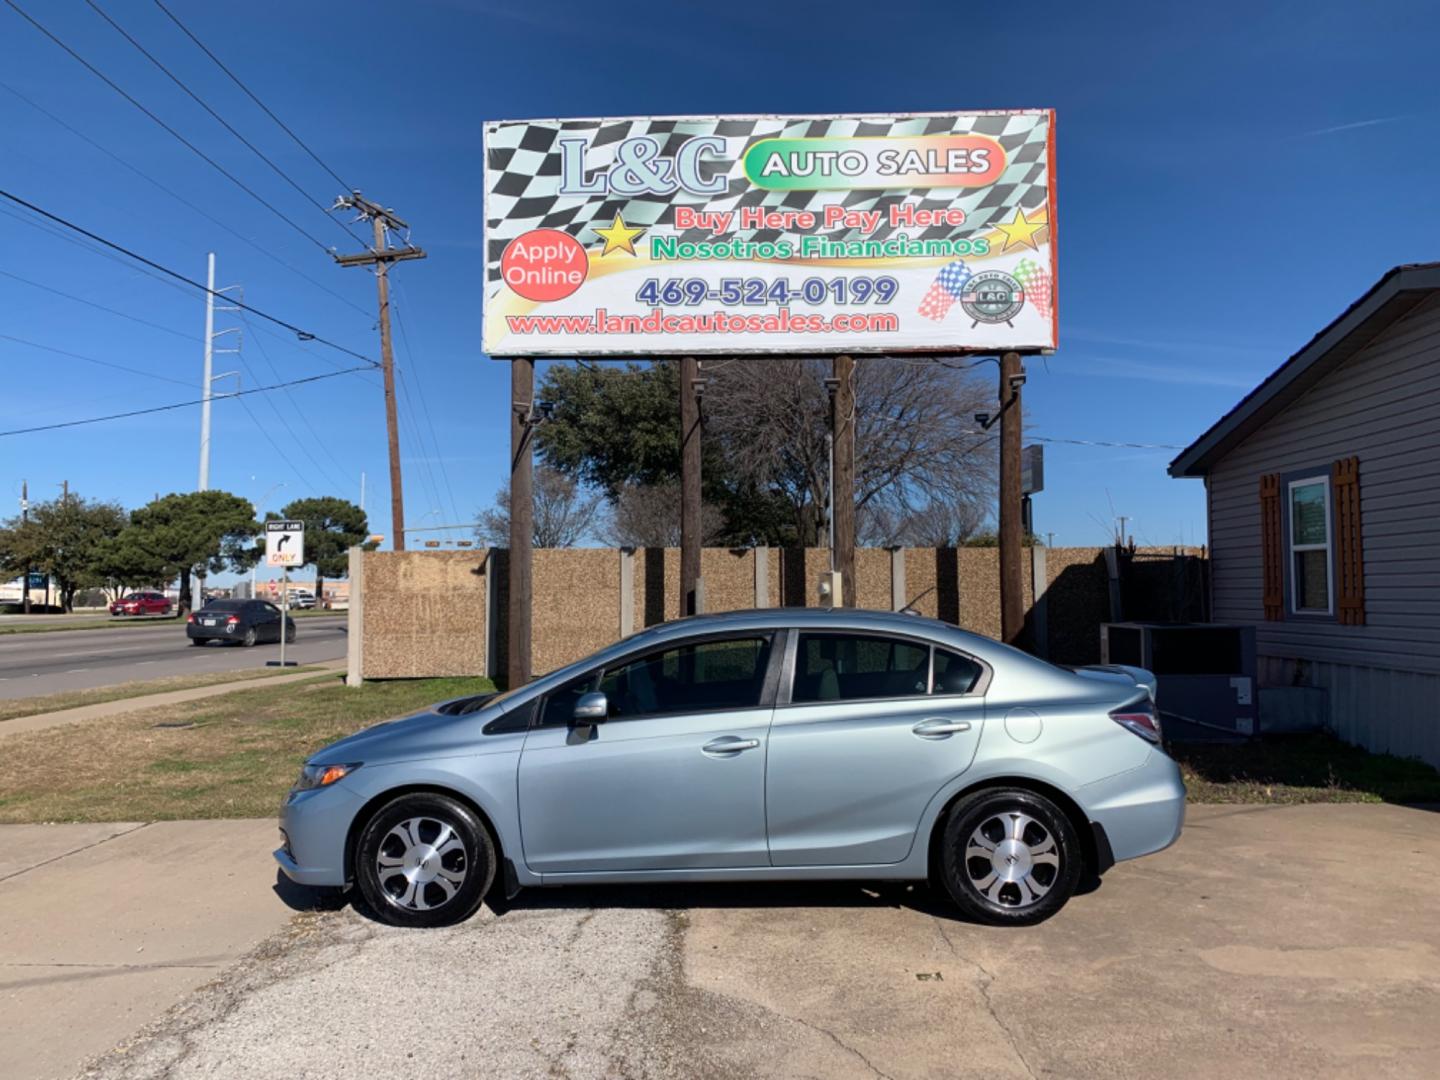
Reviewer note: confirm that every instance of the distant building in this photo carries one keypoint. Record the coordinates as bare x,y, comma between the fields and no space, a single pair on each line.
1323,494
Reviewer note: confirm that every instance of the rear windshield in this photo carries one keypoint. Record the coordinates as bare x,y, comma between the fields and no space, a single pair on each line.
225,605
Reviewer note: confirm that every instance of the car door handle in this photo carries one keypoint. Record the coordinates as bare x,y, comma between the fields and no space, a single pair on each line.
929,729
729,744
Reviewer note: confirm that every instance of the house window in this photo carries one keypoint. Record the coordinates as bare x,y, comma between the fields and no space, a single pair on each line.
1310,546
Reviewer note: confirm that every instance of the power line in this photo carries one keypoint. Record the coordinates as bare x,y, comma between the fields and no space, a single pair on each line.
93,360
181,138
177,404
249,93
101,307
420,393
427,470
181,199
220,119
305,420
303,335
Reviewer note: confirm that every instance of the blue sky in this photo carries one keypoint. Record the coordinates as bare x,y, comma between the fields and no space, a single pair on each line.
1230,177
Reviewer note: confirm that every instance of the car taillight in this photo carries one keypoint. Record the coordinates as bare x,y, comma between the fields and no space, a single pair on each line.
1139,719
233,620
190,617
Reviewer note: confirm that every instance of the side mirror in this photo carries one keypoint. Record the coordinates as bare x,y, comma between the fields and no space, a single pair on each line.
591,709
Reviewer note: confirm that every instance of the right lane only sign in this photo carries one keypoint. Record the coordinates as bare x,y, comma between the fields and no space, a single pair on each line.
284,543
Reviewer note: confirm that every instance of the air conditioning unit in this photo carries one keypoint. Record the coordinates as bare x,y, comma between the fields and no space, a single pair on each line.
1204,674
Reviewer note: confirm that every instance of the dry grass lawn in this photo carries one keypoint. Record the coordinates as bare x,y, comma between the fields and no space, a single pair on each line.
230,756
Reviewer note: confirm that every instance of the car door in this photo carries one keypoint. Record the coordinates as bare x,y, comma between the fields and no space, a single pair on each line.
266,618
869,729
673,778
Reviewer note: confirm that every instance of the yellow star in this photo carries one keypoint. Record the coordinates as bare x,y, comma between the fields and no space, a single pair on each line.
1021,232
618,237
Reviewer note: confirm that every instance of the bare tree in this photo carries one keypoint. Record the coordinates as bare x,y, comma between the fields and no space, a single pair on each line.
935,525
649,516
917,446
564,513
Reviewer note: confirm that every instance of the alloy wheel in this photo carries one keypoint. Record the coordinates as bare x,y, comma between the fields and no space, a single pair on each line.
1012,859
421,863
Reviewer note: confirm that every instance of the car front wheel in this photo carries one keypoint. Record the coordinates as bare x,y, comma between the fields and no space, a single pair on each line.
424,860
1010,857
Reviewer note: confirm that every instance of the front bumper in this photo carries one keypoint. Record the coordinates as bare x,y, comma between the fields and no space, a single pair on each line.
314,828
1142,810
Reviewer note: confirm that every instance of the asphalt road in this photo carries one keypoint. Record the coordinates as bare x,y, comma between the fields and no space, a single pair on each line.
32,664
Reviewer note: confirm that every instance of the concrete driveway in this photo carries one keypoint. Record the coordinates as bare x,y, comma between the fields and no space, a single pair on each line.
104,927
1298,941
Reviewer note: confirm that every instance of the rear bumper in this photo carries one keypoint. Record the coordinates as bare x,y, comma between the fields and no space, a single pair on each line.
1141,811
213,633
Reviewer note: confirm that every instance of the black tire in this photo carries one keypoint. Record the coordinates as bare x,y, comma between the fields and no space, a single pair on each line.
197,641
392,898
290,636
250,637
1039,889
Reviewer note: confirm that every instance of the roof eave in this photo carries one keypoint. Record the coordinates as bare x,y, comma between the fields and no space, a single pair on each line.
1387,301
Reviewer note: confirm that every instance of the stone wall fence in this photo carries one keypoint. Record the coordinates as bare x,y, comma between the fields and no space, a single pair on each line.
417,614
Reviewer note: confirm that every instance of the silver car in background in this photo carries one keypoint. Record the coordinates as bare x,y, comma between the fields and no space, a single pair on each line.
757,746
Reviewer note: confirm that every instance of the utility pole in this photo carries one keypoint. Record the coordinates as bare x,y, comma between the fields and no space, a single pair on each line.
209,374
1012,580
692,591
25,517
209,378
522,520
380,256
842,493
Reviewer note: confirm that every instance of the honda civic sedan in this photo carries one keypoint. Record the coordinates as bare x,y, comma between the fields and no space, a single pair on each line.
773,745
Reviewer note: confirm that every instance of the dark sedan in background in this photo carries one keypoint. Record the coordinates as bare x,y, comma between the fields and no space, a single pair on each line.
243,622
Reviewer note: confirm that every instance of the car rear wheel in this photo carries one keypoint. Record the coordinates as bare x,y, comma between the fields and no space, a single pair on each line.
424,860
1010,857
250,638
197,641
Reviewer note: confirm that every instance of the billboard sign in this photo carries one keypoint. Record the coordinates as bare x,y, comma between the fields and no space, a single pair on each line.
770,234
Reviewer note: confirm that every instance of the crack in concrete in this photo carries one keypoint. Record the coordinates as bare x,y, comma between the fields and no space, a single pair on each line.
837,1041
108,967
77,851
984,979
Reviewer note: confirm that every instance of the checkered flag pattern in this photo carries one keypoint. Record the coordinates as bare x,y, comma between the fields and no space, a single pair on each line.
523,164
945,290
1035,280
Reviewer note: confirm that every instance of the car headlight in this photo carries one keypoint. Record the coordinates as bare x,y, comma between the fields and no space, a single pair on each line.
318,776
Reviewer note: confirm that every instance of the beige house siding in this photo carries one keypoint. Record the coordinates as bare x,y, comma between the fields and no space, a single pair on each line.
1382,405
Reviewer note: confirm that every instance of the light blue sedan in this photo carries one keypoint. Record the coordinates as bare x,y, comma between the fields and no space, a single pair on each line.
757,746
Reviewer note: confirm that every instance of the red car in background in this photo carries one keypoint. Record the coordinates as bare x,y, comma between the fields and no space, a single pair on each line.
142,603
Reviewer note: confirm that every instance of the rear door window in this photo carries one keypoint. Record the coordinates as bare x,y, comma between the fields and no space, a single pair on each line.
858,667
955,674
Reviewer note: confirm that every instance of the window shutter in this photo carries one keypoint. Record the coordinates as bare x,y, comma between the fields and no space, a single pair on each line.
1349,557
1272,556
